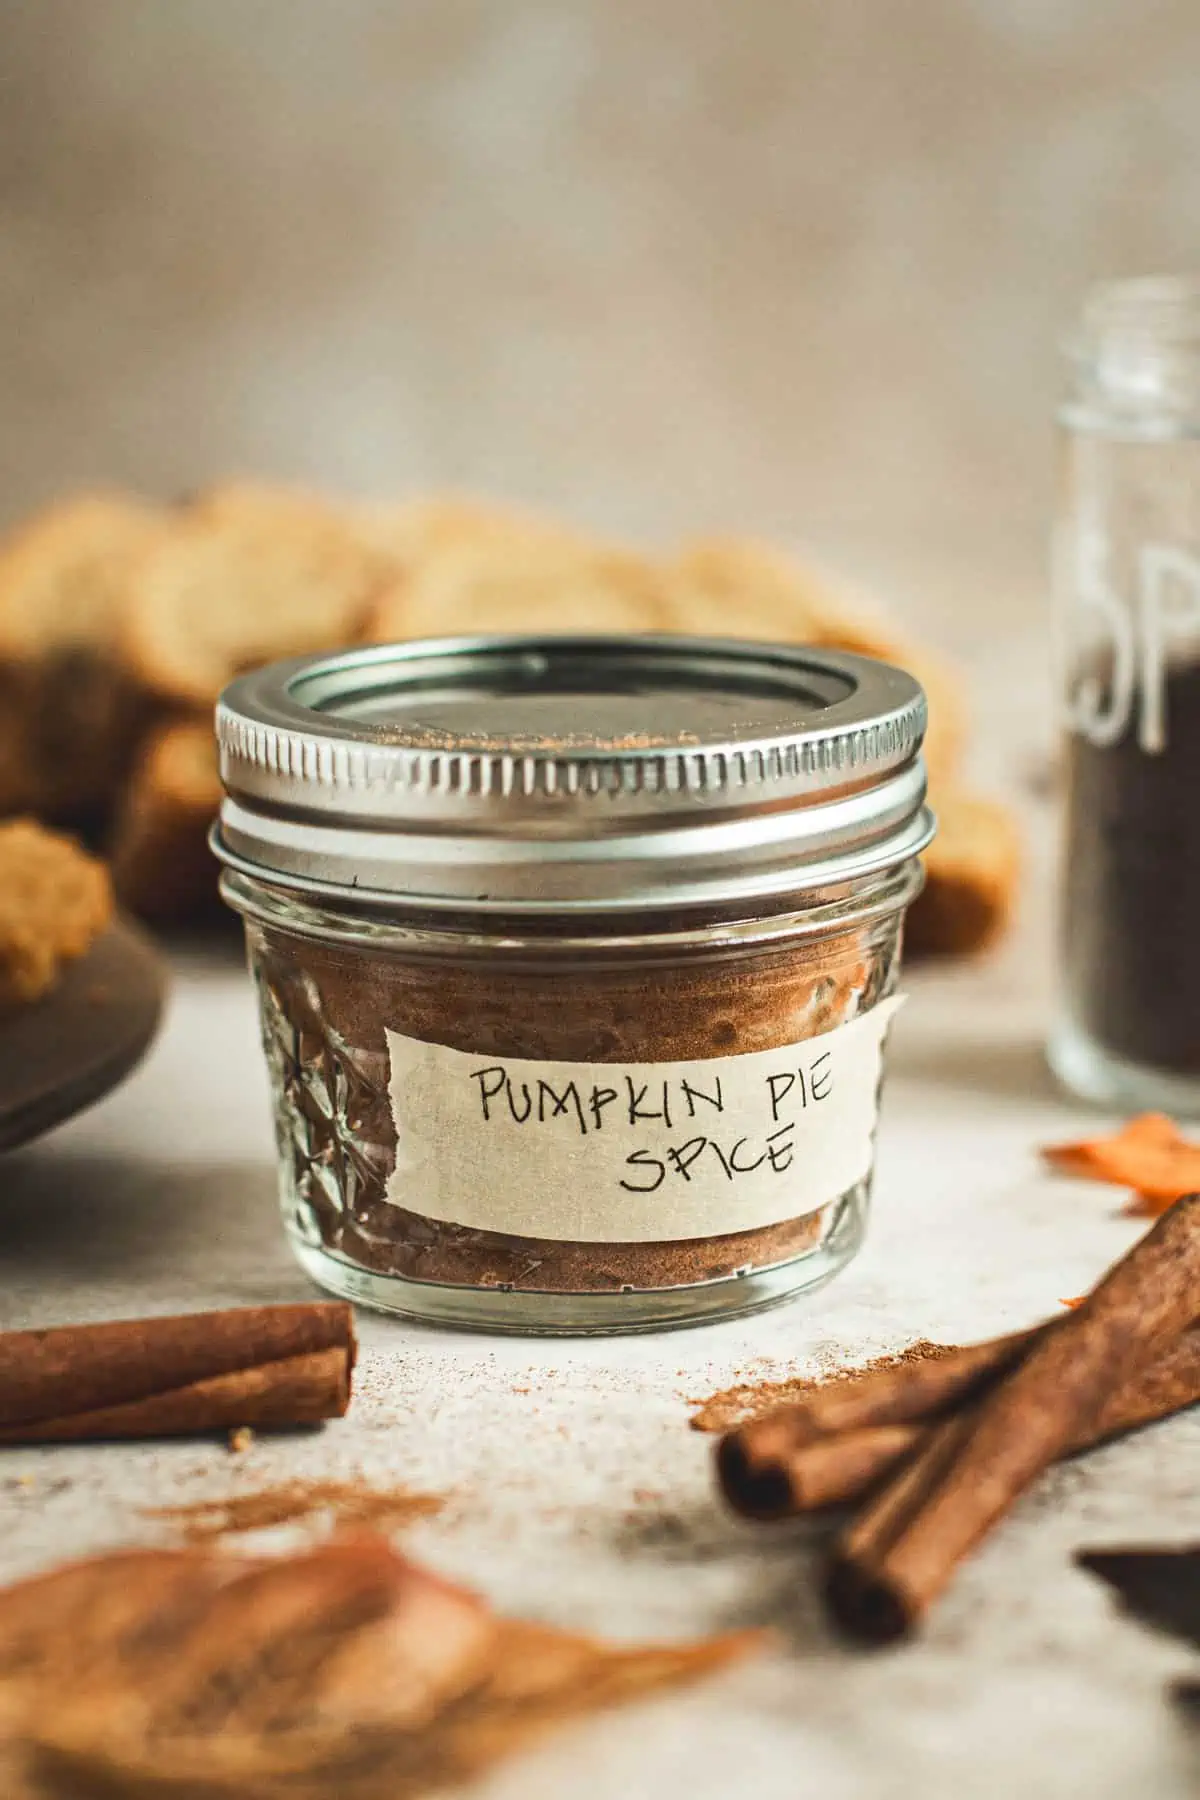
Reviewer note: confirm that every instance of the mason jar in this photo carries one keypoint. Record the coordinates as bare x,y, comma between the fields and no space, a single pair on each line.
1127,618
575,961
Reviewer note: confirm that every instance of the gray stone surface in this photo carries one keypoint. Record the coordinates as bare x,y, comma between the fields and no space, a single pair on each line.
576,1491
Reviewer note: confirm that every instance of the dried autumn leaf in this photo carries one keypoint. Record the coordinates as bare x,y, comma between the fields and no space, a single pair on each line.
347,1670
1149,1155
1108,1158
52,1625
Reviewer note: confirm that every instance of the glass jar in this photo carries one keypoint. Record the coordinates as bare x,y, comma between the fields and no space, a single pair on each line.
575,960
1127,618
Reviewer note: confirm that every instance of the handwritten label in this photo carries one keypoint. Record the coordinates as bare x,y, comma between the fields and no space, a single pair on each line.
635,1152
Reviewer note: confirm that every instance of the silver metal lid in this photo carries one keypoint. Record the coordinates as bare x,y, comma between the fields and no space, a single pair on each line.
529,774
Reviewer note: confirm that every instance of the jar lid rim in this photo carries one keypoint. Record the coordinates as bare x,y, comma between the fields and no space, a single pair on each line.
523,768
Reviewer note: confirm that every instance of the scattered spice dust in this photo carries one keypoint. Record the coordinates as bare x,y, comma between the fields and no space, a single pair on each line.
347,1503
748,1400
29,1486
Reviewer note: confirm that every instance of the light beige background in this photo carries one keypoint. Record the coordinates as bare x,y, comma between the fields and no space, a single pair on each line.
668,264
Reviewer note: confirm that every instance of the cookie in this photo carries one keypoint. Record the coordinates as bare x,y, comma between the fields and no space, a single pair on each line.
162,866
972,878
524,586
738,587
69,709
416,530
55,900
247,501
734,587
246,575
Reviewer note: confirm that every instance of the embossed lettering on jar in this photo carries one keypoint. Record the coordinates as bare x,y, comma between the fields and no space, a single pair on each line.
576,960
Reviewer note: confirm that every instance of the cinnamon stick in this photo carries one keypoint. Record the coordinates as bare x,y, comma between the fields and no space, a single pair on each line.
769,1478
754,1460
767,1474
898,1556
264,1366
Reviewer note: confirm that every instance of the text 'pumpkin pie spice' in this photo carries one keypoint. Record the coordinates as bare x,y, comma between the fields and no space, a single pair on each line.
576,958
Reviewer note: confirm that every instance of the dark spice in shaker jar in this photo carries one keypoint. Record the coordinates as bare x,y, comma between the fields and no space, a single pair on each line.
1132,868
326,1010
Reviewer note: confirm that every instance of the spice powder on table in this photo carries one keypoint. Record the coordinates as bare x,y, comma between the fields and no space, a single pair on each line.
746,1400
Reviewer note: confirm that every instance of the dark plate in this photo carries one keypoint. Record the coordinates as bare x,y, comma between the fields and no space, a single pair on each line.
65,1051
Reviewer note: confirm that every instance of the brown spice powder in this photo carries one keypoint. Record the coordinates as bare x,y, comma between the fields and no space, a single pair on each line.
746,1400
346,1504
326,1010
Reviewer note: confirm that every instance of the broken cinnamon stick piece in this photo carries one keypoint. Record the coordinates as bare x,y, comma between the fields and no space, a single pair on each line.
769,1478
765,1476
898,1556
267,1366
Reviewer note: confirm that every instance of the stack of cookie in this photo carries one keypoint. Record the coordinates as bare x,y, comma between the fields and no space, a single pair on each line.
55,900
121,622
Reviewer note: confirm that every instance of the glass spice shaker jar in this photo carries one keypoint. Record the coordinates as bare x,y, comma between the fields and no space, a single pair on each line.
1127,629
575,960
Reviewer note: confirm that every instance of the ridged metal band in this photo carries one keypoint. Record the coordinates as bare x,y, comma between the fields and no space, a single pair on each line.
317,761
470,771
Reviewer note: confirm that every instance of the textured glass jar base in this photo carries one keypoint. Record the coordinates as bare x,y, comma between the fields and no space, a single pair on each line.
542,1314
1093,1073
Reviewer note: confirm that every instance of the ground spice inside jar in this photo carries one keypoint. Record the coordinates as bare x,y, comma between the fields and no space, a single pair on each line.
327,1010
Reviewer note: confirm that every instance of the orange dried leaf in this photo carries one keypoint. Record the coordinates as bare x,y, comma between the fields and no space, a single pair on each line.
1150,1155
1077,1301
